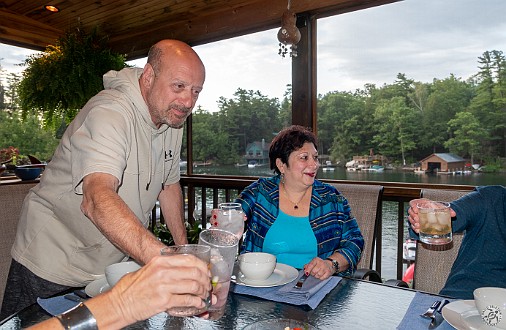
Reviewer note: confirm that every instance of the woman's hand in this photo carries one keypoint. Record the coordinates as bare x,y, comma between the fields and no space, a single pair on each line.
319,268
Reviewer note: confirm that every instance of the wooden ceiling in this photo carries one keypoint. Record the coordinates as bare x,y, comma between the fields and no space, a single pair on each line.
134,25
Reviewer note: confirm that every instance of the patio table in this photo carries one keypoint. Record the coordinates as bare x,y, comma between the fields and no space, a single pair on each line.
352,304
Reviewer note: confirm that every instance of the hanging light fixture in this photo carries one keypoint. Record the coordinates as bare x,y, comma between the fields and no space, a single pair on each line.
51,8
288,34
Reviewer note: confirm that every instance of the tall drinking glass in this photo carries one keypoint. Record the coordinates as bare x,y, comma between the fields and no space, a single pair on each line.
229,217
435,222
223,253
203,252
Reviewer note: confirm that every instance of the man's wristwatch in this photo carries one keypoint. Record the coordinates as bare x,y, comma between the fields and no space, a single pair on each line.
335,264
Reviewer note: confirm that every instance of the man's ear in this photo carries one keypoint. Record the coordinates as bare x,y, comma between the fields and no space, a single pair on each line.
148,75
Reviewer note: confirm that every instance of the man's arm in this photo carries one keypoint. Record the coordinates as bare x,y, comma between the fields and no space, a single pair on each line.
171,204
112,216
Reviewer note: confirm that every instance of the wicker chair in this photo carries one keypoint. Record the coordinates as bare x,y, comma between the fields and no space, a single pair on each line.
433,262
11,200
365,203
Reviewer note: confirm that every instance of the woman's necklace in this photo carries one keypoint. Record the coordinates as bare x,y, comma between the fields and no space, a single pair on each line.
295,204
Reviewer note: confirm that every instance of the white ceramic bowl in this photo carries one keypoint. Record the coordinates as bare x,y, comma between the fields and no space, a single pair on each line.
257,266
491,304
114,272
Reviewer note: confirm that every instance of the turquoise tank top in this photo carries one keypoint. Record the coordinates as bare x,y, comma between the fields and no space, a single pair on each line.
292,240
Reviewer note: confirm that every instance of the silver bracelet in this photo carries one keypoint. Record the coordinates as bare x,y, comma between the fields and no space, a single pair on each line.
78,318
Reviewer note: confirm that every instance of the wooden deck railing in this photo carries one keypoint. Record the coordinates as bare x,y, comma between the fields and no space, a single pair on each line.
200,190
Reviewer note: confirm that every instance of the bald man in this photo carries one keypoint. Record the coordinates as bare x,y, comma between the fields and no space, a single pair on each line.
116,159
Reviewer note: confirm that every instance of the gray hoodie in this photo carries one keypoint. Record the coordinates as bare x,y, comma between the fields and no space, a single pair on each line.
113,134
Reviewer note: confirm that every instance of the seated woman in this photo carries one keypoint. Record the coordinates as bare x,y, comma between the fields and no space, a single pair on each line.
304,222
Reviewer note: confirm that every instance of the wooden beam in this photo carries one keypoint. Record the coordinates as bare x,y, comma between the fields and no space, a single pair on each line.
304,75
228,23
22,31
203,29
134,25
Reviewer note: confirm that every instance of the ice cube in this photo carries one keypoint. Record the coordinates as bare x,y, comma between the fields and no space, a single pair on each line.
219,267
431,218
443,218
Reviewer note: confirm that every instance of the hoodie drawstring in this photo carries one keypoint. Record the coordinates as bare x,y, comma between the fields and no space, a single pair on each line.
164,158
150,161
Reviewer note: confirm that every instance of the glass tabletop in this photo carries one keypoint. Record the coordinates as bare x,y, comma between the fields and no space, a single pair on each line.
353,304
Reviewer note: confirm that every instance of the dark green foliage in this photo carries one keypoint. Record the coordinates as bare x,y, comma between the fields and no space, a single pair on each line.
27,135
406,120
60,80
192,231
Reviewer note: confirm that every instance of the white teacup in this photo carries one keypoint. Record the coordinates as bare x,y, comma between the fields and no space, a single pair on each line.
257,266
114,272
491,304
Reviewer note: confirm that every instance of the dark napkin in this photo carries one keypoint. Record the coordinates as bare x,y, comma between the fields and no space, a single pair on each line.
312,292
59,304
420,303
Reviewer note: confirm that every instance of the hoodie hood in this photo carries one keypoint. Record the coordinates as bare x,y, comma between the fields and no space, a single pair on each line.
126,81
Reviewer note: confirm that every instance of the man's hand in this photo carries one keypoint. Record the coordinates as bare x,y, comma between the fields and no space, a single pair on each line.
413,218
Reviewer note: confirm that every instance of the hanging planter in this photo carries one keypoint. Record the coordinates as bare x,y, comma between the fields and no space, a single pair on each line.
59,81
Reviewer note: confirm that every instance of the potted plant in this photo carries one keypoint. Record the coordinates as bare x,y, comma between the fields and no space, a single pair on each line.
24,167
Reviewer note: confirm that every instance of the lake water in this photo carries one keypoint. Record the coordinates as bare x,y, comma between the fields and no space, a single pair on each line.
389,239
340,173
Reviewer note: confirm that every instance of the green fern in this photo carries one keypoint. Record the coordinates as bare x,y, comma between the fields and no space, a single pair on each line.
59,81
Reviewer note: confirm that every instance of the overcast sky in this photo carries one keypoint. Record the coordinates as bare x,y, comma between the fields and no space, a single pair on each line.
424,39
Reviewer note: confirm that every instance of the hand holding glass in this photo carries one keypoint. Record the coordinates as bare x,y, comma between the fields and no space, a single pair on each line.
230,217
203,252
435,222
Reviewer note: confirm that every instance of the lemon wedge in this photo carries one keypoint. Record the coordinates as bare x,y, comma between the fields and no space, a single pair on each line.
214,281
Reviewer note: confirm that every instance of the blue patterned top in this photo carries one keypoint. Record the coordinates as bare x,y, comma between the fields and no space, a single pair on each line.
330,218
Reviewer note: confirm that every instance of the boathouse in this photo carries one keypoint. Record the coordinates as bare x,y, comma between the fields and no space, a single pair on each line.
443,162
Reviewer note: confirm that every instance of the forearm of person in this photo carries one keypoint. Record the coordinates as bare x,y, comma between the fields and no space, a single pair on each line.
351,245
163,283
107,318
104,207
171,203
472,208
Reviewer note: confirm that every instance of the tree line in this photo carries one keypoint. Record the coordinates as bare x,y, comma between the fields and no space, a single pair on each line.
404,121
409,120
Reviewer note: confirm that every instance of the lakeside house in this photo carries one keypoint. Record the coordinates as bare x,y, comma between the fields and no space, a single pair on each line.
367,162
257,153
443,162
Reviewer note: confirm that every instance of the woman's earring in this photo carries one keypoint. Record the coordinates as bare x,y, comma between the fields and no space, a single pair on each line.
283,178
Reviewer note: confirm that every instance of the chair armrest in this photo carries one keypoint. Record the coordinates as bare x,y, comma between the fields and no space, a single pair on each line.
398,283
367,274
